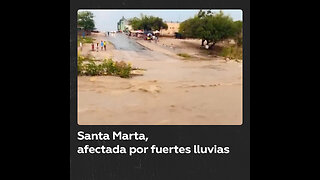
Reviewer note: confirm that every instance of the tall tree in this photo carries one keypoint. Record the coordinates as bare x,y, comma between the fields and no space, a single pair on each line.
239,34
210,27
85,20
147,23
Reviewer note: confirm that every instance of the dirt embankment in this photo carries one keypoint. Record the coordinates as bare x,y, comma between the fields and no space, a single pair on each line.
97,54
186,47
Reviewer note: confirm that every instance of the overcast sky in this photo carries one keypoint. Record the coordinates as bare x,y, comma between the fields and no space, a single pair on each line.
106,20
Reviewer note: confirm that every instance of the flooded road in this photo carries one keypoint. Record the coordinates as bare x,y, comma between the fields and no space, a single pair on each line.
171,91
123,42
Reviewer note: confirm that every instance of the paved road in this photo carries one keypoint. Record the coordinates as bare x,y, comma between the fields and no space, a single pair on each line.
130,50
122,42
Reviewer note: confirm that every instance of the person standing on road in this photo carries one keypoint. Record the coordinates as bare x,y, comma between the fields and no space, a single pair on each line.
155,39
97,47
80,46
105,45
108,33
101,45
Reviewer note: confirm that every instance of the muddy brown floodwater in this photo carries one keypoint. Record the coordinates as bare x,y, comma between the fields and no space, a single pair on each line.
171,91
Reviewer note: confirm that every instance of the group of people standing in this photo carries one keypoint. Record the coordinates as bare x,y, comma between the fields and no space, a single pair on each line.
103,45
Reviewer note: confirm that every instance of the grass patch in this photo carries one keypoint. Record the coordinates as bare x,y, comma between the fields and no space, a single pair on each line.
88,67
185,55
85,40
232,52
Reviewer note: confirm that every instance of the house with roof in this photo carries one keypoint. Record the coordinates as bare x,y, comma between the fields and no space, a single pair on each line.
173,27
123,25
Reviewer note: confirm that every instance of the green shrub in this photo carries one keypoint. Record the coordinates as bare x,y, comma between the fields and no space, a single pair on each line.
85,40
80,64
122,69
232,52
107,67
92,69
